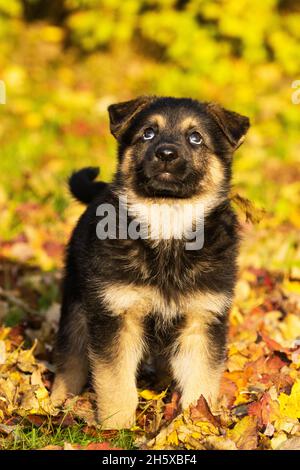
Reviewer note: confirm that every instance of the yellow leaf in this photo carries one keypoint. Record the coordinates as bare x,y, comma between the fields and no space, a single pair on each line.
33,120
242,290
290,327
41,393
292,286
236,318
241,398
135,428
15,377
52,33
14,76
278,440
206,428
236,362
4,332
244,433
290,404
2,352
173,438
150,395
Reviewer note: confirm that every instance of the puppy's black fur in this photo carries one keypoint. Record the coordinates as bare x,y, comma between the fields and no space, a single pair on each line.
125,298
83,186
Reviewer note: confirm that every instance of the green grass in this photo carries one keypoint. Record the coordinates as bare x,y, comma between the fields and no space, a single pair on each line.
27,436
14,317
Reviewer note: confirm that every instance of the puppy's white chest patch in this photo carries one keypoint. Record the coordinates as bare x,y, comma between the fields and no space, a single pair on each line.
163,221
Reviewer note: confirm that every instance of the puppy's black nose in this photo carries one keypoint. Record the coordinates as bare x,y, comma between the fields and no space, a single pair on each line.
166,153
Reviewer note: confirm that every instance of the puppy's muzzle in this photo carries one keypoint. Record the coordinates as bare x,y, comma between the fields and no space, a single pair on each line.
166,153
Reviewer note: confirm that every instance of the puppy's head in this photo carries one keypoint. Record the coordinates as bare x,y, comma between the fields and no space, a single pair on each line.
175,147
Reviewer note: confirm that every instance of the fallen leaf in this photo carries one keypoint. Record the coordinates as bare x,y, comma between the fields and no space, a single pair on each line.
2,352
172,407
36,419
69,446
201,412
101,446
274,345
290,444
228,391
290,404
266,410
52,447
244,433
150,395
219,443
82,408
6,429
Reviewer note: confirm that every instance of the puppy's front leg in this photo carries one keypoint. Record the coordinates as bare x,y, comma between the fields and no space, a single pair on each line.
114,371
198,360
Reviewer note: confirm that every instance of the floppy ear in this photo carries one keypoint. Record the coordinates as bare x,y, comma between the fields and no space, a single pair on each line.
233,125
121,114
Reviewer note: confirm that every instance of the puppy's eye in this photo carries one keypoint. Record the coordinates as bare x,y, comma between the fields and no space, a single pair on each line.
195,138
149,133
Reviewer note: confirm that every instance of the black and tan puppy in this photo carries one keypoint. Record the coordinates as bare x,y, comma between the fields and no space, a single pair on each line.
125,297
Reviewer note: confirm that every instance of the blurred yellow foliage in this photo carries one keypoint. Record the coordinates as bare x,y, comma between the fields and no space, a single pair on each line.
64,62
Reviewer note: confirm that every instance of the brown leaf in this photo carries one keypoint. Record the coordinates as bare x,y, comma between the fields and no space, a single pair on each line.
36,419
83,409
109,433
29,401
201,412
64,420
171,408
6,429
252,213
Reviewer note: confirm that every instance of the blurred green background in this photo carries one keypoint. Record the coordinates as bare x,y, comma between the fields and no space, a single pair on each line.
63,62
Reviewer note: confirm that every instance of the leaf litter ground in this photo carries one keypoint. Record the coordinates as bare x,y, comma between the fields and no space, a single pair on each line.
260,394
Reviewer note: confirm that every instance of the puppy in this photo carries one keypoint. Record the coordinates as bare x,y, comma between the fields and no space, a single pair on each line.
125,297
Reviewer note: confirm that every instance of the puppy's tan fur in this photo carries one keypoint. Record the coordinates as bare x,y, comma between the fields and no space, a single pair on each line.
115,382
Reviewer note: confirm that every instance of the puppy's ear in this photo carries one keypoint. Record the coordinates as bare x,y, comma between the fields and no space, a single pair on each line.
121,114
233,125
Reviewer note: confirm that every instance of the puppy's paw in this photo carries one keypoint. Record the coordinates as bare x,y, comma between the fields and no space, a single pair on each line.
118,420
57,399
59,392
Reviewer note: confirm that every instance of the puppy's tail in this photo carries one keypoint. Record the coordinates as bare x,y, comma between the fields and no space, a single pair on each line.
82,184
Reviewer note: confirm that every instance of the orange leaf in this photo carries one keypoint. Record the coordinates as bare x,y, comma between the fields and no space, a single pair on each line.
228,389
172,407
266,410
101,446
273,345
